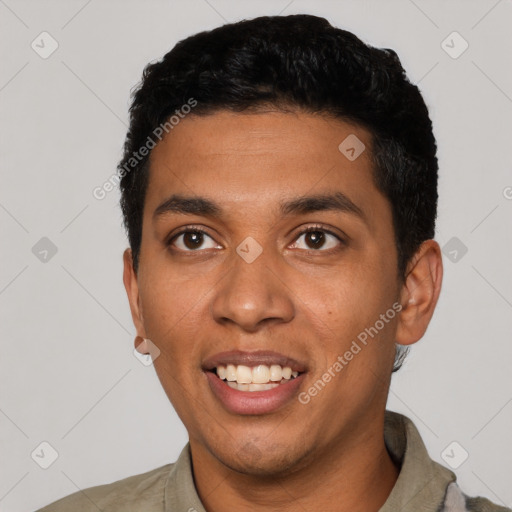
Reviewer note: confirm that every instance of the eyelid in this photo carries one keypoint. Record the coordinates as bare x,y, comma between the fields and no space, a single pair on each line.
187,229
321,227
342,239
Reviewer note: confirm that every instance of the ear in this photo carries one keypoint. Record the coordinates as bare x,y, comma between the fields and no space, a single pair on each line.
132,290
420,292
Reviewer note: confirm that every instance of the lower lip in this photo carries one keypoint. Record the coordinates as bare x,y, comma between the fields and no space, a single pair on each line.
253,402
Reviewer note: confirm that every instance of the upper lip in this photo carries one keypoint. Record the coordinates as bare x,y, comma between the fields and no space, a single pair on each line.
254,358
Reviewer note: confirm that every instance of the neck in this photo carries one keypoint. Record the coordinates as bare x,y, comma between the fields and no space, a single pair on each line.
355,475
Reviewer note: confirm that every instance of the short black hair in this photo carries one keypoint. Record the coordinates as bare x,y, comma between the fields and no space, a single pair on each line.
294,63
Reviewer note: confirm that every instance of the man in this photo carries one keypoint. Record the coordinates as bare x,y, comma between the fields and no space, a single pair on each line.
279,190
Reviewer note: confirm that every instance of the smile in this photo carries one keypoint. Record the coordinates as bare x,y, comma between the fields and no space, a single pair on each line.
254,383
257,378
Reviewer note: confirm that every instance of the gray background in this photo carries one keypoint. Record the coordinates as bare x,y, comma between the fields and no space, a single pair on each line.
69,376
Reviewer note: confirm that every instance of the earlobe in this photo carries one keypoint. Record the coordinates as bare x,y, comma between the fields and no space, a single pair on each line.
132,291
420,293
141,345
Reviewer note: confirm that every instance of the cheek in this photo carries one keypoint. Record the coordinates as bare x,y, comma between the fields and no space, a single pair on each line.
173,321
353,293
171,309
348,306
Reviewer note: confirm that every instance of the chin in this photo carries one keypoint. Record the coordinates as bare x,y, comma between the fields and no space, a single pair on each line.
263,460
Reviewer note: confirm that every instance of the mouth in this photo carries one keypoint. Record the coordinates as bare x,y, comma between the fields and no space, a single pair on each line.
257,378
253,382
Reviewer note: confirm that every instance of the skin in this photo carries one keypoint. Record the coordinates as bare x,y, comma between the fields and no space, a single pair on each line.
301,300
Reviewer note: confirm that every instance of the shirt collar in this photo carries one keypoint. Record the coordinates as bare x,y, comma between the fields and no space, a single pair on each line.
180,490
421,484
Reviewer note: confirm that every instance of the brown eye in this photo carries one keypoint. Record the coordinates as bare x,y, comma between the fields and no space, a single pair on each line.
317,239
193,240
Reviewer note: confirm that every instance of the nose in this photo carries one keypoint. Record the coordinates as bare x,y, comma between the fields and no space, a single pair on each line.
252,295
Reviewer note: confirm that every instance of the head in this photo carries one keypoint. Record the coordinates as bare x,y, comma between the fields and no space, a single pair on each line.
262,129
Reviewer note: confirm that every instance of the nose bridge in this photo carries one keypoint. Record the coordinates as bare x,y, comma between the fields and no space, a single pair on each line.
252,291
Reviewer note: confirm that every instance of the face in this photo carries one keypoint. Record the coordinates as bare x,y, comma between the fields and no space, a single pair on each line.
266,252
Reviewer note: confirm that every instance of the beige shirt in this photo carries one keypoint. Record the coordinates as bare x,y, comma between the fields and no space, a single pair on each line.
422,486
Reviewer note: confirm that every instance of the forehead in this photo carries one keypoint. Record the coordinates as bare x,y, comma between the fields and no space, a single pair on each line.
280,133
252,160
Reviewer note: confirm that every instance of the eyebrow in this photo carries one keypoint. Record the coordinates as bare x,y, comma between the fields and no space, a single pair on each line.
197,205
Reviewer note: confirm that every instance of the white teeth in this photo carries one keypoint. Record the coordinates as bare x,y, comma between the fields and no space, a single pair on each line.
252,387
231,372
221,372
243,374
245,378
287,372
257,387
276,373
260,374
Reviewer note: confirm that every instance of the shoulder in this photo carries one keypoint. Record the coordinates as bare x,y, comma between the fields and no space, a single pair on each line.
456,501
139,492
479,504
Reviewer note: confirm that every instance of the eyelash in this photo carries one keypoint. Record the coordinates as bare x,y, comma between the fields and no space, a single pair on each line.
309,229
